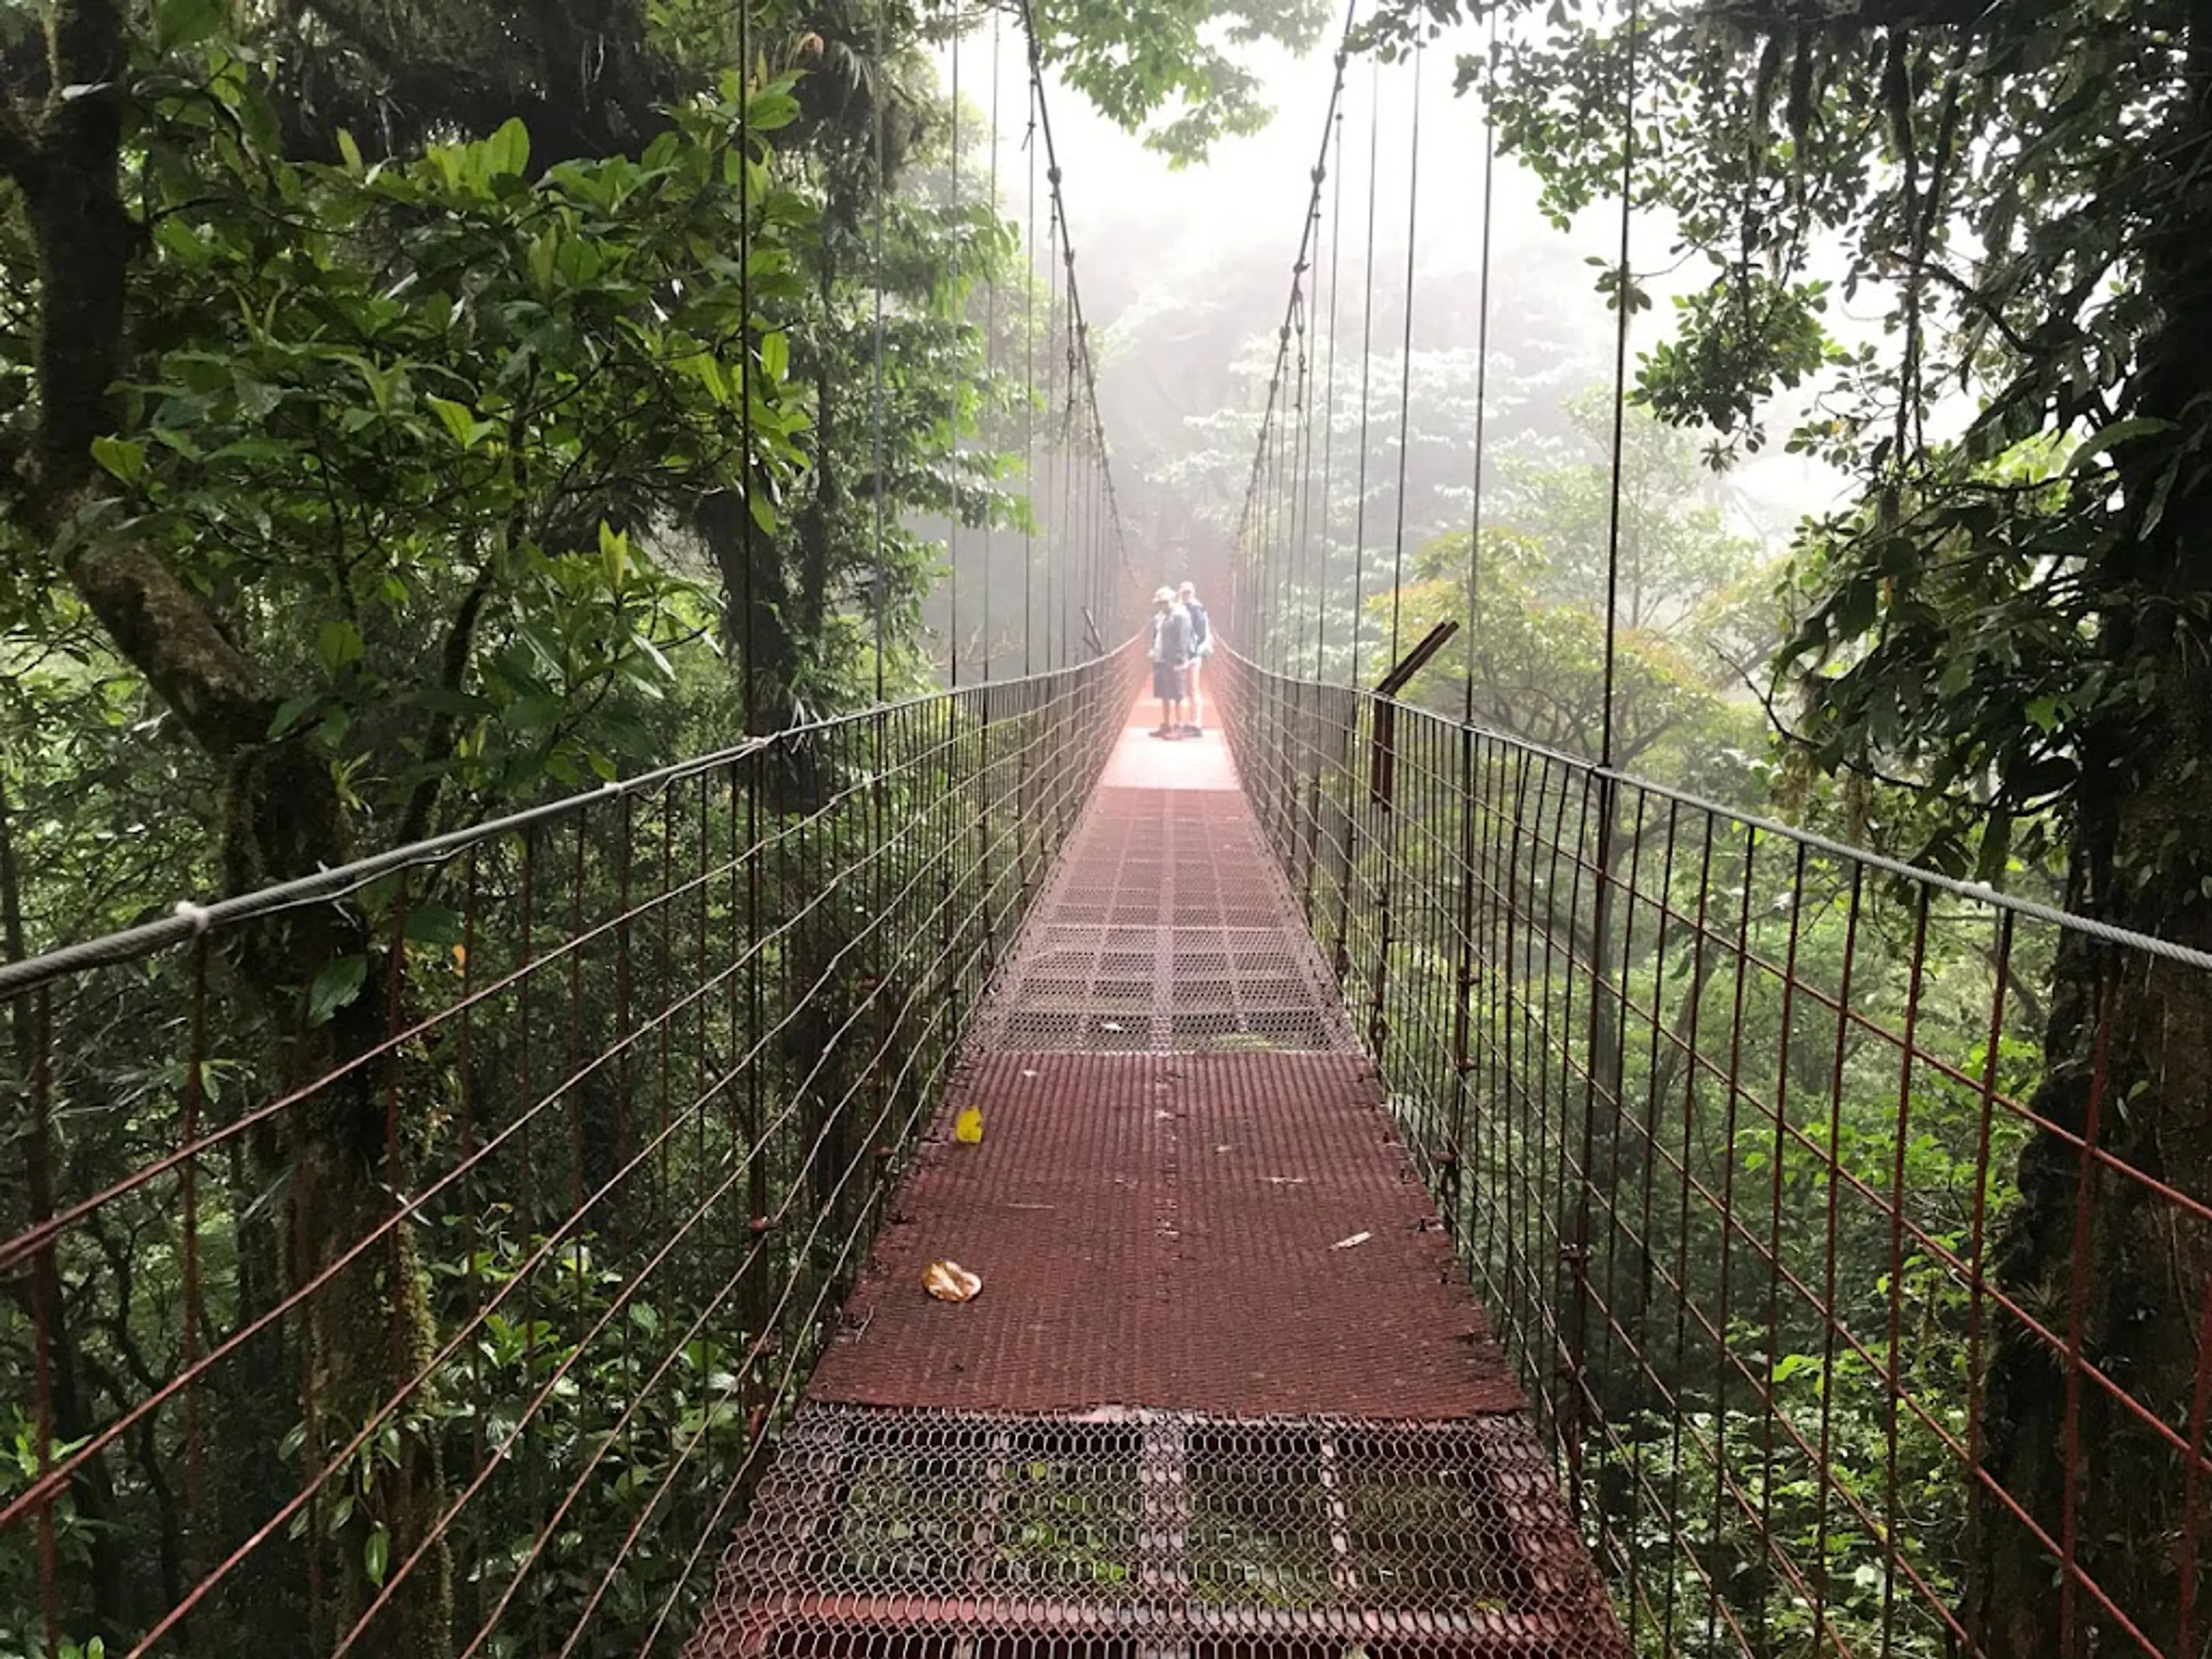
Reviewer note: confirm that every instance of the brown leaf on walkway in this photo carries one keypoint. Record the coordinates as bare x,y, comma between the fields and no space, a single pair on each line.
948,1281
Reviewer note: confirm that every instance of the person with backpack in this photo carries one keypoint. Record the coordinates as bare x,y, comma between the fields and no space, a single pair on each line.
1171,660
1201,648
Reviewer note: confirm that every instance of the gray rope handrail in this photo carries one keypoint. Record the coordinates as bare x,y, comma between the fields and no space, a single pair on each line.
189,918
1976,892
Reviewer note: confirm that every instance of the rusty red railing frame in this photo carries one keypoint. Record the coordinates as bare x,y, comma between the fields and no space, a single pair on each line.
1846,1279
390,1309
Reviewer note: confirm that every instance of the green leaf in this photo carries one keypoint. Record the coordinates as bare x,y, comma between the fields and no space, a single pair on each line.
169,438
338,984
257,399
290,713
1996,845
1856,608
776,355
338,644
507,150
1792,1364
2112,437
772,110
383,383
458,420
123,457
182,243
539,713
614,553
349,152
181,23
434,924
376,1554
544,256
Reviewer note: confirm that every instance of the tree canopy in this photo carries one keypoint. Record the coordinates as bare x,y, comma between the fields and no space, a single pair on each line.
354,338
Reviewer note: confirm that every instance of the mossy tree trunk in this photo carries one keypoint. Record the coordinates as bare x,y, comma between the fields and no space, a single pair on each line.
2116,1272
368,1329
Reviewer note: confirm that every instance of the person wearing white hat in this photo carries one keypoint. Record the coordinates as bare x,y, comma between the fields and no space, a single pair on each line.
1170,659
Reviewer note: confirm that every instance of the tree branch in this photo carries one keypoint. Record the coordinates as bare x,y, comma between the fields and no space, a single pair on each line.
1788,15
1783,729
453,669
166,633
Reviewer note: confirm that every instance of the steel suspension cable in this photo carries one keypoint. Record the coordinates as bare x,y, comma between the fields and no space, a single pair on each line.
1069,457
1300,485
1097,507
1249,523
1405,354
1071,462
952,393
1298,581
1464,1102
1252,530
991,336
882,183
1366,374
1605,995
1286,443
1309,586
1622,292
1328,415
1029,389
1084,367
1055,459
1262,619
747,600
1271,510
1481,365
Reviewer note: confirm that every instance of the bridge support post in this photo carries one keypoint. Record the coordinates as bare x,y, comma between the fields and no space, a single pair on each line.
987,887
1454,1161
1340,956
1601,1094
949,924
753,1298
1382,790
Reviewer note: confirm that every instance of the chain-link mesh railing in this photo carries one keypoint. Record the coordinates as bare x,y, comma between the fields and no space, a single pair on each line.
436,1301
1843,1221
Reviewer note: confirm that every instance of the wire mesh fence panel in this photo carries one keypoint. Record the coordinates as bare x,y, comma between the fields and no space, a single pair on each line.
394,1253
1844,1223
937,1532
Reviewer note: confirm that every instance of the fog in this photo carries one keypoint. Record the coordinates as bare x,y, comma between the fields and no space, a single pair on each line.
1184,275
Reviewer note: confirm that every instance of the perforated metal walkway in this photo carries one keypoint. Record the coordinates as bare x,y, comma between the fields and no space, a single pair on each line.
1225,1393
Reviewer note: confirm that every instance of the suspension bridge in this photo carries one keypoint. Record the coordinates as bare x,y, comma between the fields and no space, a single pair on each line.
1394,1180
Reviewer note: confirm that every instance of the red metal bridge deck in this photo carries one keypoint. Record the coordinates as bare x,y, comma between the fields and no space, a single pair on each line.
1225,1390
